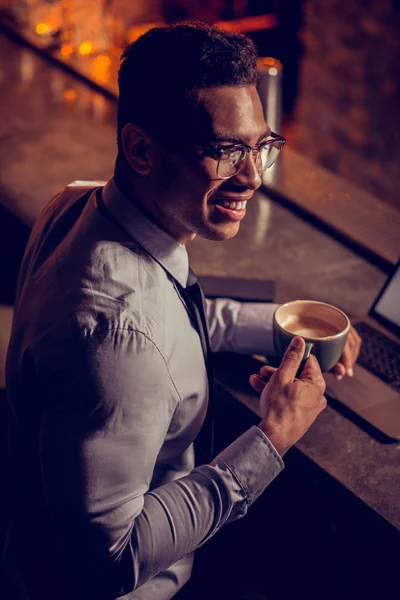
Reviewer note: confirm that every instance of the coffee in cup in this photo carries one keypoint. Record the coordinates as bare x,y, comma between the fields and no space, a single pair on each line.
323,327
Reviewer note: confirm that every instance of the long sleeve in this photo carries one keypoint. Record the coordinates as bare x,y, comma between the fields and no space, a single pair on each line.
102,427
241,327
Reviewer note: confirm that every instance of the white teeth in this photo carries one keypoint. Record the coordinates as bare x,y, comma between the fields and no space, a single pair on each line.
235,205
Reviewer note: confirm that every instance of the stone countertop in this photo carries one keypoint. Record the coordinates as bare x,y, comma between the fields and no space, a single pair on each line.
332,201
274,243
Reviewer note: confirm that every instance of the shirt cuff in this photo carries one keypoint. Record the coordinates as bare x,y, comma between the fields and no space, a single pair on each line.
253,329
252,461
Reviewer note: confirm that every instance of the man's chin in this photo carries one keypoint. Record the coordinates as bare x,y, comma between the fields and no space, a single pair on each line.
221,233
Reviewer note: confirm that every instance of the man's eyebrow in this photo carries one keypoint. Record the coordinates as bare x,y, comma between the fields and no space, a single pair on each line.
266,133
229,137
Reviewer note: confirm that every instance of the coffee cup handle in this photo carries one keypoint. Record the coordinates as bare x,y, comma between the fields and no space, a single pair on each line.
307,352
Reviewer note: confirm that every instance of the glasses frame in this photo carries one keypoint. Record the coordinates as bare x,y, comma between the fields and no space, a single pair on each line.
215,152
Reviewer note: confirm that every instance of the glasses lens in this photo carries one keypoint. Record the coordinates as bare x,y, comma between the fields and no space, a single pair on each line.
269,154
230,162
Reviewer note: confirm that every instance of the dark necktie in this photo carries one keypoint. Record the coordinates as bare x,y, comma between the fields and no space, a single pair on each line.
195,302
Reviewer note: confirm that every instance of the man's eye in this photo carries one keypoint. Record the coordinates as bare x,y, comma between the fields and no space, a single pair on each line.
227,151
222,152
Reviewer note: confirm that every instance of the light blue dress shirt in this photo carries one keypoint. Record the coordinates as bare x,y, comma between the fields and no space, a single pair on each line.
108,389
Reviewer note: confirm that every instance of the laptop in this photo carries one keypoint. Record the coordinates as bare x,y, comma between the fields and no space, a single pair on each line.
374,392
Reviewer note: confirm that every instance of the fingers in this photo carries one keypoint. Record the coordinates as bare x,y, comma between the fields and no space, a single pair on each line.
291,360
312,372
267,371
349,356
258,382
339,371
355,342
347,361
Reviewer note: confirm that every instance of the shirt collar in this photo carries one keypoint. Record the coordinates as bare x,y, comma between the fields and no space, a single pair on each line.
172,255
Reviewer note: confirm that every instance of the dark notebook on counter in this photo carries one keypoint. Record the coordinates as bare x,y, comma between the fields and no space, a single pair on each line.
240,289
374,391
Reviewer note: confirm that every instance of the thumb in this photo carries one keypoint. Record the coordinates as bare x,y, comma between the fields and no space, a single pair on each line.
292,359
311,370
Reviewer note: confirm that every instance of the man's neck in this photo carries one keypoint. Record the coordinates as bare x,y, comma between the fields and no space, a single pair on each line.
127,186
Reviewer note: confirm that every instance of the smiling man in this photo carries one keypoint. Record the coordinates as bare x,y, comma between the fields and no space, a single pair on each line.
108,370
194,146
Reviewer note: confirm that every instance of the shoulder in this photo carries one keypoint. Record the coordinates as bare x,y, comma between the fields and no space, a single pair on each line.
125,358
111,284
82,271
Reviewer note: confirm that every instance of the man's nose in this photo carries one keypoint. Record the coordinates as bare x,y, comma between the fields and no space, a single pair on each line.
249,175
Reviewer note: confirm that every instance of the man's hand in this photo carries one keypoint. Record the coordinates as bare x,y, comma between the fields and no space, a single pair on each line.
288,405
349,356
342,368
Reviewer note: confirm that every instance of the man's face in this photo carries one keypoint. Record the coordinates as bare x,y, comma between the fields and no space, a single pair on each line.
189,197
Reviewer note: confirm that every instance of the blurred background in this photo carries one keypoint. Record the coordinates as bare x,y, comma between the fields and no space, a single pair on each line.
341,74
340,68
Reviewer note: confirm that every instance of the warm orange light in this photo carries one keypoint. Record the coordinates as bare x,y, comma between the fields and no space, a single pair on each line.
137,30
66,50
267,64
70,95
42,28
86,48
101,68
249,24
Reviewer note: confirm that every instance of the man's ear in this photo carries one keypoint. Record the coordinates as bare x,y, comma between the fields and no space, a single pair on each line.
136,144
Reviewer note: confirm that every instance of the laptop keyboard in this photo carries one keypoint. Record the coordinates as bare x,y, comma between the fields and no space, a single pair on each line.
380,355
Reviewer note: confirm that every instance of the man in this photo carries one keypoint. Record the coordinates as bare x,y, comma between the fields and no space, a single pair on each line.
108,368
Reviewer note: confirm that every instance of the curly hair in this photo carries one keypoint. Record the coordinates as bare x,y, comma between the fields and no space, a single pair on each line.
162,70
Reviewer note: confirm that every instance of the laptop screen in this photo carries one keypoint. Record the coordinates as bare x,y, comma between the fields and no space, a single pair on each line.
387,306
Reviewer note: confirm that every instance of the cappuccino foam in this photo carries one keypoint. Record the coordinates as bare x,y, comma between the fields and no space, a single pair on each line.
309,327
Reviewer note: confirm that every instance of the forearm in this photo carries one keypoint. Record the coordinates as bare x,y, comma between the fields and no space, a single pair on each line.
194,508
241,327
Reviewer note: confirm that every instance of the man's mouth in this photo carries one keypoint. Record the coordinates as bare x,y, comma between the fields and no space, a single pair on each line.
233,205
233,210
233,201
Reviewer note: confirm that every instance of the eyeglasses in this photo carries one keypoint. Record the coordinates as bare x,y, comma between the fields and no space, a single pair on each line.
233,157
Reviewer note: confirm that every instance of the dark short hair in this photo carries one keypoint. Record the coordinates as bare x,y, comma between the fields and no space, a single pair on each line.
162,70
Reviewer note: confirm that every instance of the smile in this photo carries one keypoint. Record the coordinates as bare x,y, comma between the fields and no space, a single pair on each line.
232,211
234,205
